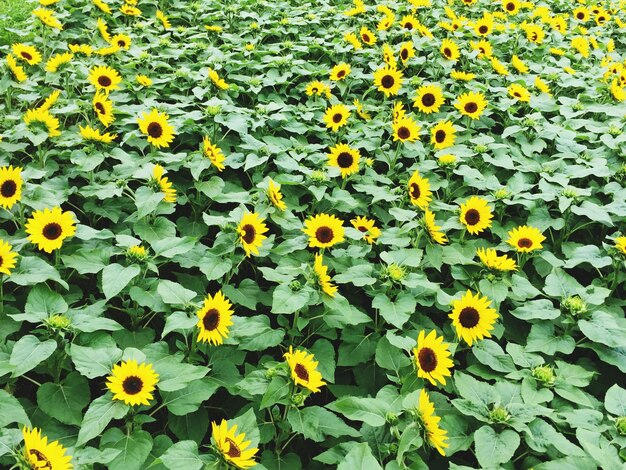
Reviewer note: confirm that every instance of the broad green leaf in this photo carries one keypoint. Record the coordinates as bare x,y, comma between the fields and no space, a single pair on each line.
173,293
28,352
493,448
183,454
115,277
12,411
360,458
134,448
65,401
369,410
99,414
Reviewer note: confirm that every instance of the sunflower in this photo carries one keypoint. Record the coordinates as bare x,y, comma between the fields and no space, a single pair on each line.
511,7
405,129
471,104
217,80
50,100
360,110
450,50
102,6
340,72
620,244
275,196
519,93
163,19
54,62
432,358
367,227
103,29
388,80
123,41
44,455
406,51
434,231
388,56
429,99
462,76
542,86
434,435
17,70
409,22
398,112
104,109
472,317
156,126
47,17
336,116
442,135
90,133
419,191
484,26
324,280
104,78
317,88
581,14
143,80
132,383
534,33
213,153
525,239
251,229
491,260
476,215
214,318
367,36
10,186
324,230
7,257
84,49
483,47
232,445
304,369
352,39
43,117
48,228
345,158
130,10
164,184
28,54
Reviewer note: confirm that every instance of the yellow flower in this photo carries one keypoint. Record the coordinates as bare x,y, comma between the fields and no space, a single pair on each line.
405,129
121,40
28,54
137,252
519,93
484,26
518,64
429,99
471,104
7,257
511,7
388,80
102,6
450,50
93,134
483,47
275,196
498,66
442,135
213,153
323,279
367,36
367,227
304,369
17,70
84,49
41,454
233,446
132,383
360,110
217,81
462,76
104,109
317,88
476,215
491,260
10,186
434,231
432,358
581,14
419,191
50,101
345,158
446,160
406,51
352,39
57,60
435,436
164,185
143,80
388,56
103,28
339,72
324,230
251,229
47,17
45,118
130,10
525,239
214,318
163,19
620,244
157,127
542,86
472,318
336,116
104,78
48,228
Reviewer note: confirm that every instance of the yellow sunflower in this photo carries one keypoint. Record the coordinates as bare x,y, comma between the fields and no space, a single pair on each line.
47,17
432,358
43,116
323,279
409,22
132,383
213,153
304,369
54,62
324,230
104,78
398,111
429,99
511,7
434,435
340,72
519,65
44,455
214,318
490,259
317,88
102,6
450,50
28,54
419,191
17,70
217,80
442,135
163,19
251,229
462,76
104,109
472,317
143,80
405,129
336,116
7,257
345,158
484,26
164,184
406,51
121,40
10,186
130,10
367,227
93,134
519,93
388,56
48,228
476,215
471,104
434,231
483,47
156,126
581,14
233,446
525,239
388,80
275,196
620,244
85,49
367,36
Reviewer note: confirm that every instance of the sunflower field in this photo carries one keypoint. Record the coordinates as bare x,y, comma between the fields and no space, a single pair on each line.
294,235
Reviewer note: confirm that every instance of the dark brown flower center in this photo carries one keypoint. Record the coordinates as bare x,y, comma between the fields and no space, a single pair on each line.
404,133
341,73
404,53
472,217
52,231
301,372
365,37
408,25
601,19
337,117
427,359
42,460
533,37
155,130
1,261
468,318
8,188
387,81
483,29
510,6
428,100
345,160
470,107
233,450
415,191
524,243
516,94
100,108
132,385
104,81
361,228
447,52
211,319
324,234
580,15
26,55
440,136
121,43
249,233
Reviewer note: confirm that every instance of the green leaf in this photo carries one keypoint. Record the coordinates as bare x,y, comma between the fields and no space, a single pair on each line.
561,284
174,294
360,458
28,352
396,312
615,400
43,302
12,411
115,277
389,357
605,329
494,448
94,362
178,321
542,338
369,410
34,270
474,390
277,392
170,247
65,401
314,423
189,399
255,333
536,310
99,414
183,454
284,300
134,448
